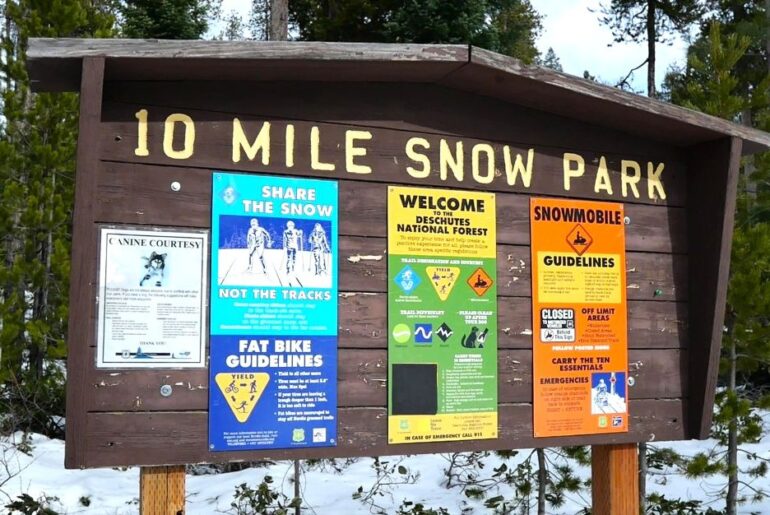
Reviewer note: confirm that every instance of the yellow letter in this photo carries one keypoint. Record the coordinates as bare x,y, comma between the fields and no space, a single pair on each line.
141,134
168,136
602,181
490,152
352,151
416,156
447,161
262,143
518,168
569,172
653,181
629,180
315,144
289,146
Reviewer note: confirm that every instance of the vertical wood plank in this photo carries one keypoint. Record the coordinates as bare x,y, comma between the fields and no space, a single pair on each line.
712,188
614,486
161,490
83,252
176,490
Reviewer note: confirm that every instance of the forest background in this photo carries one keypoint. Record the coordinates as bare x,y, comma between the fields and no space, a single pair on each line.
726,73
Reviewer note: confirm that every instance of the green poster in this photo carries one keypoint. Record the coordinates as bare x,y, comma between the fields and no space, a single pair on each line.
442,315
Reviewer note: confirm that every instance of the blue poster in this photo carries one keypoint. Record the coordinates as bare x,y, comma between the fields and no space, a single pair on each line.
273,345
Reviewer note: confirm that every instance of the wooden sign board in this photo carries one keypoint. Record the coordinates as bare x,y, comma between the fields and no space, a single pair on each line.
158,119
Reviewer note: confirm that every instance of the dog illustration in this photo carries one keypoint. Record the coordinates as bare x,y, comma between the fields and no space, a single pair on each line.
155,265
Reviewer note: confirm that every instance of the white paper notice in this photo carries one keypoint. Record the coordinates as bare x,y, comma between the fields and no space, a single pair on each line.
152,295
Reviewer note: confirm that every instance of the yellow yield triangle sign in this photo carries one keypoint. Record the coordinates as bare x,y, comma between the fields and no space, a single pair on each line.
443,278
242,391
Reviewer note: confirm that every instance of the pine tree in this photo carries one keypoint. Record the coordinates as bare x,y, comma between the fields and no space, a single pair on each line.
37,160
259,20
342,20
715,82
166,19
551,61
652,21
506,26
234,28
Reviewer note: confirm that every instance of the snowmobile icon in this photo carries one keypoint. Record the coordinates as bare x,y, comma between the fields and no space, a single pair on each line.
480,283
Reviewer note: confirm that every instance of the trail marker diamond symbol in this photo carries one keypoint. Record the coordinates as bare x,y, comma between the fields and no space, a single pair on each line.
579,239
480,282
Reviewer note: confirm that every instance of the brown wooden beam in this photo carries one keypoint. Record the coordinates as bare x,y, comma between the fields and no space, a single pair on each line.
712,188
84,248
614,486
161,490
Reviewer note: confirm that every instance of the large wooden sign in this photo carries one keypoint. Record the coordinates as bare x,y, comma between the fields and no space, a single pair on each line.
315,174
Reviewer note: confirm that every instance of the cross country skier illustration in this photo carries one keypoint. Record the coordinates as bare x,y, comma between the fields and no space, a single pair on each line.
319,245
257,239
292,242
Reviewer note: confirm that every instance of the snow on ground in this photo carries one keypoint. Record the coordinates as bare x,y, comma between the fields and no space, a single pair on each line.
307,270
324,490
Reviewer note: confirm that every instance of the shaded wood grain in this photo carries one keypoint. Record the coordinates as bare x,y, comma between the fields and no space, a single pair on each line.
542,88
141,194
162,490
362,381
649,276
158,59
63,48
181,437
614,479
385,154
417,107
710,231
471,69
650,324
654,277
84,247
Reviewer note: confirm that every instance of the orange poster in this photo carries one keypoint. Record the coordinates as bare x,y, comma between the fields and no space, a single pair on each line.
579,335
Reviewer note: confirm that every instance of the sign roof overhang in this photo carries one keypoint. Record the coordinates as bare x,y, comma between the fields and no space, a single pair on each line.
55,65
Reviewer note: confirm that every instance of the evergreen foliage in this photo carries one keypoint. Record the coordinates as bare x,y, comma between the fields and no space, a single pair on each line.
727,76
550,60
166,19
653,21
506,26
37,160
262,500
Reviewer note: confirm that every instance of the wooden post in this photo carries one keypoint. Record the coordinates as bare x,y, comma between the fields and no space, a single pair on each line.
161,490
614,480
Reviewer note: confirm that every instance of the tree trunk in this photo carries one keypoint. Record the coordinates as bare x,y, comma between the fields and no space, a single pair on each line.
651,48
767,34
642,477
732,442
297,493
279,20
748,161
542,478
